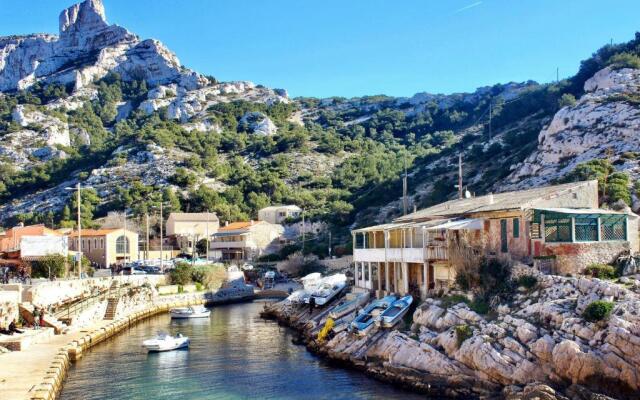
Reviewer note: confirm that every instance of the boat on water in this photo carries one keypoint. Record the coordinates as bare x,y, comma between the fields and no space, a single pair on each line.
395,312
165,342
349,304
190,312
363,323
328,288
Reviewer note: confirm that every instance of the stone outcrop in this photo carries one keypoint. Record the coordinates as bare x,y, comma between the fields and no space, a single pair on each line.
86,49
602,120
535,346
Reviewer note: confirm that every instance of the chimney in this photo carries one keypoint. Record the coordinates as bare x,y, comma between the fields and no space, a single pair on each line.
226,223
490,198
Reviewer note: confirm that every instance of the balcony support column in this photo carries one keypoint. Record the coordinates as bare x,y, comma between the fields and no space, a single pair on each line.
425,285
379,272
370,283
405,278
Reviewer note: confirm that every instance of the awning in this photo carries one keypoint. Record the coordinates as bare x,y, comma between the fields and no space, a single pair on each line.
225,234
463,224
598,211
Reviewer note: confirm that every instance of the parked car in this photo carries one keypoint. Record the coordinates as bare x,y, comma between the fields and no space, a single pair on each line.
150,269
133,271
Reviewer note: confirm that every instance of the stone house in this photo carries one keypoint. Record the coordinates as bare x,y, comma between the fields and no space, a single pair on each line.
558,228
106,247
279,214
246,241
185,229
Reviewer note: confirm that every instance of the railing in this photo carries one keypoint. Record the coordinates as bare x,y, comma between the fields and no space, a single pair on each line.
76,308
437,252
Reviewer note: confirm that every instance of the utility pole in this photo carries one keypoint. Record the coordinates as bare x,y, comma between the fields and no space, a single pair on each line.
405,204
329,244
207,235
303,231
161,245
79,237
460,176
146,252
126,240
490,118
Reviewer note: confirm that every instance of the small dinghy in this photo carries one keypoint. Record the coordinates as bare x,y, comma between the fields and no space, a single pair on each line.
165,342
363,323
349,304
395,312
190,312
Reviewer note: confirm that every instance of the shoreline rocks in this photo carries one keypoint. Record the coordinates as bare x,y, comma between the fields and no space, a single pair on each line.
536,346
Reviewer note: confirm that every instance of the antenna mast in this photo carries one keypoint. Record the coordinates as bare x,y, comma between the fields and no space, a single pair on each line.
405,204
460,195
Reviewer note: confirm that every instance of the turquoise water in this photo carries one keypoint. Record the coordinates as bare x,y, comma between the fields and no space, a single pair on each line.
233,355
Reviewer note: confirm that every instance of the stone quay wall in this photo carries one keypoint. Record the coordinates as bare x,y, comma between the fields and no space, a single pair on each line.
135,309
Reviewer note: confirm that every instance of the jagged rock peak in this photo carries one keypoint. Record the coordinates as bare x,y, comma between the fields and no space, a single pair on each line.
84,16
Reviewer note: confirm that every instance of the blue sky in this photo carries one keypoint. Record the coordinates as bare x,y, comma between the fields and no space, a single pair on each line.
359,47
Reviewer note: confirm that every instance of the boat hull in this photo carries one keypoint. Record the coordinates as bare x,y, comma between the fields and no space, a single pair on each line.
206,314
349,306
157,346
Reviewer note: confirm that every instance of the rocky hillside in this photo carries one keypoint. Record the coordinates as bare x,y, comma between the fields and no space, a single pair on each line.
99,105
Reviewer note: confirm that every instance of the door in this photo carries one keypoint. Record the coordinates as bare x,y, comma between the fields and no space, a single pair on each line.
504,245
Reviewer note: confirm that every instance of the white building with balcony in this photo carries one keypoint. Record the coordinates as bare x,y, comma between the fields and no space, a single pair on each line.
246,241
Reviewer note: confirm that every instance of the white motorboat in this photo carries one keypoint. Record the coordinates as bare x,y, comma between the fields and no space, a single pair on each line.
164,342
190,312
328,288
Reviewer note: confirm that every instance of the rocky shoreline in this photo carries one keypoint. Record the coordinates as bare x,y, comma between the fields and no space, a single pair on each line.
536,346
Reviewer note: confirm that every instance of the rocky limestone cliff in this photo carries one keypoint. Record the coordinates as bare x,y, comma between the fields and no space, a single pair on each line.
86,49
606,119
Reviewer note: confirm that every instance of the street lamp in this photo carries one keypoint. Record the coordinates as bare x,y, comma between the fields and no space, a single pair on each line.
79,254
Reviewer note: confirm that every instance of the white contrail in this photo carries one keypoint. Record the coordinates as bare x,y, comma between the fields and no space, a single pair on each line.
476,4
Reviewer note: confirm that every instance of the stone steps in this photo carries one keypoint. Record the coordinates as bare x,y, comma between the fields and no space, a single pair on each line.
112,305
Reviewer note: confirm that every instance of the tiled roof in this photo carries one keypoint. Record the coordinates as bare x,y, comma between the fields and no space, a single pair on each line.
94,232
520,199
234,226
212,217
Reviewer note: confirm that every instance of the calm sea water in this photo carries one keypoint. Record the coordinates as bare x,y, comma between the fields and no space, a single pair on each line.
233,355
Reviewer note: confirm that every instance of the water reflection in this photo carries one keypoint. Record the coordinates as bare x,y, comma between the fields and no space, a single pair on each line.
233,355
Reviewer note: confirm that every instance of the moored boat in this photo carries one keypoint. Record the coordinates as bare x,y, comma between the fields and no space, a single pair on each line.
190,312
394,313
164,342
349,304
363,323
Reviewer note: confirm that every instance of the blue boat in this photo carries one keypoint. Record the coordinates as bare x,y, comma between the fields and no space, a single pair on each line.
395,312
365,321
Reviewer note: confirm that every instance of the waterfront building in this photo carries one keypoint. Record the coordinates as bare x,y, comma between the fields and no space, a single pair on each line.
246,241
557,228
185,229
279,214
11,239
106,247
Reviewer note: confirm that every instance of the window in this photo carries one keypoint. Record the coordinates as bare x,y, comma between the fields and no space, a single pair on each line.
586,229
613,227
122,245
504,244
102,243
516,227
557,229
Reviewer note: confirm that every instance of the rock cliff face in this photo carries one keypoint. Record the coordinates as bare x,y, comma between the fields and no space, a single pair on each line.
86,49
605,120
